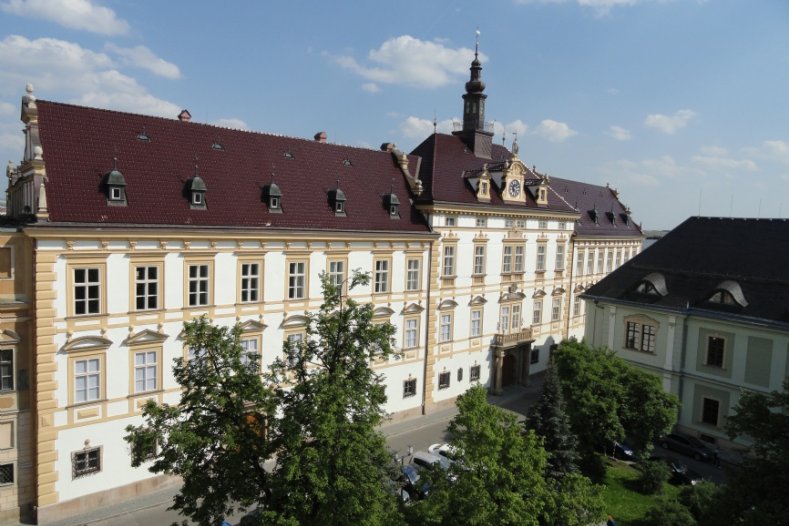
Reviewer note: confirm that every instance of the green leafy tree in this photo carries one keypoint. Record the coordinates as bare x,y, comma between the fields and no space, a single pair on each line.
607,398
701,500
548,419
668,511
652,476
315,429
573,501
756,490
498,476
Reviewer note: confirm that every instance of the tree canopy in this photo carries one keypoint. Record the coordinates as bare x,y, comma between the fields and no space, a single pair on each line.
298,442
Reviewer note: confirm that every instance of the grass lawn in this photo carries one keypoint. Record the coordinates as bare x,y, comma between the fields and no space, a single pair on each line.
627,505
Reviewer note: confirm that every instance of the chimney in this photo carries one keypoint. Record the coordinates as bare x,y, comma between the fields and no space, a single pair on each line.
184,116
320,136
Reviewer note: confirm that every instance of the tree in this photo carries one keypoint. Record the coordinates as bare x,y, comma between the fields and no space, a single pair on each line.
607,398
314,419
548,420
756,490
498,476
668,511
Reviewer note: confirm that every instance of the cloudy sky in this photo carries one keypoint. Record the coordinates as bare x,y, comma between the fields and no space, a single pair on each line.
683,105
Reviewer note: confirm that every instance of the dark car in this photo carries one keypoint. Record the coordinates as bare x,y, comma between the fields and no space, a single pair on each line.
688,445
680,473
410,481
623,451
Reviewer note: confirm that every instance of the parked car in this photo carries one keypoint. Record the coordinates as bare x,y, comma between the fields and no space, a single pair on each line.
427,460
688,445
681,474
443,449
410,483
623,451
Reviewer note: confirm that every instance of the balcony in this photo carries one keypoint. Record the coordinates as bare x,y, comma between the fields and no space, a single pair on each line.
513,338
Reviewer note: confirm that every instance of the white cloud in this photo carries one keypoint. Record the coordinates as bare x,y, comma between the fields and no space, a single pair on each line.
416,128
412,62
725,164
67,71
231,122
648,172
715,151
669,124
74,14
371,87
619,133
6,108
142,57
773,150
554,131
516,127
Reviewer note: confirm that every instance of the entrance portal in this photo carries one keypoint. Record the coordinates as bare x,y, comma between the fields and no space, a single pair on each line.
509,370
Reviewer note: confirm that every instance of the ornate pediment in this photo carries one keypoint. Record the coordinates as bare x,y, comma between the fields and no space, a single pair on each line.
296,320
558,291
539,293
512,296
413,308
145,336
477,301
252,326
447,304
579,288
86,343
9,337
382,312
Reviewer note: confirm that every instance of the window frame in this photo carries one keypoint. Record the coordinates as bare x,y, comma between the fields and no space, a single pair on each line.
703,416
557,302
534,356
445,322
338,278
146,282
12,478
536,316
590,262
480,259
640,336
88,469
157,372
407,330
7,370
409,387
297,281
101,373
475,332
249,288
449,261
579,263
252,337
208,279
413,276
444,380
72,268
519,259
721,351
382,277
474,373
541,256
560,253
506,259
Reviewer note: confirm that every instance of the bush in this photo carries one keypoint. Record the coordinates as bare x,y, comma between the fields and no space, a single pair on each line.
669,512
653,476
700,500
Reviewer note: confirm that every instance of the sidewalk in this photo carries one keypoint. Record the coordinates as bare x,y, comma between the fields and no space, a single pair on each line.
515,398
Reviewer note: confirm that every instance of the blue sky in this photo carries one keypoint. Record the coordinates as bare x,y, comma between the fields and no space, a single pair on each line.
683,106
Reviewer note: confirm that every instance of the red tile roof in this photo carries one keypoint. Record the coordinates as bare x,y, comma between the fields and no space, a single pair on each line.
79,144
445,162
588,197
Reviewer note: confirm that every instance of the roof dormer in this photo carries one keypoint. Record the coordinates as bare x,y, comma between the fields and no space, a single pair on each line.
272,196
728,293
116,185
196,189
542,191
653,284
337,200
483,185
392,204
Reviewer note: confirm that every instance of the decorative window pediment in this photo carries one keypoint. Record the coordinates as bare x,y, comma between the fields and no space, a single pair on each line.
539,293
86,343
297,320
382,312
8,337
728,293
477,301
447,304
145,336
252,326
413,308
558,291
579,288
512,296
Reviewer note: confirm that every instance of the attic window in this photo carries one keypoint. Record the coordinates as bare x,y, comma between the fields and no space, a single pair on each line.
392,203
143,136
288,155
272,196
337,198
116,186
197,190
197,198
653,284
218,146
728,293
116,194
347,162
722,297
645,287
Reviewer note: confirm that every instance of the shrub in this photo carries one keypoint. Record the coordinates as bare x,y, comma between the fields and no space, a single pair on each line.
700,500
669,512
653,476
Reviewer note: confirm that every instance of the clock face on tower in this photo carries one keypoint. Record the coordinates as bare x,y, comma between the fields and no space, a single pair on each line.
515,188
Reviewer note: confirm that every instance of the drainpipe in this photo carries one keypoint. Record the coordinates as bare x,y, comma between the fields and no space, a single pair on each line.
427,326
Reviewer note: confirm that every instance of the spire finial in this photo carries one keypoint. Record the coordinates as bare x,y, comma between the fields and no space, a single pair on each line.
476,47
338,182
435,122
114,162
197,168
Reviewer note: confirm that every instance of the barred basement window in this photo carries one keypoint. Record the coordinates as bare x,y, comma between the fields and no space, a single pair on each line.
85,462
409,387
443,380
474,372
6,474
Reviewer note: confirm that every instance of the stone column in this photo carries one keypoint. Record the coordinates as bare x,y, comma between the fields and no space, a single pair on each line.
498,366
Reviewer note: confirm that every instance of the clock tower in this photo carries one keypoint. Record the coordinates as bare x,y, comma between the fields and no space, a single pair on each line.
512,186
474,134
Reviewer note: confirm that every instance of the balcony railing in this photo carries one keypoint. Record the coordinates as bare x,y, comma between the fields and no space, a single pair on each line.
513,338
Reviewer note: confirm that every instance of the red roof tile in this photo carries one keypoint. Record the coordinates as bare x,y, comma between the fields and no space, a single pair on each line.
611,213
79,144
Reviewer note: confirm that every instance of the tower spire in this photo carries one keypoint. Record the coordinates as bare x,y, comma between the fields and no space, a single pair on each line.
474,134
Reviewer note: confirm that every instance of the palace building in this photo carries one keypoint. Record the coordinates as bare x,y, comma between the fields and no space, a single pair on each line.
122,227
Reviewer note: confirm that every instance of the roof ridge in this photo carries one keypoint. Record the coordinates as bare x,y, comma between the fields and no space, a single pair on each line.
692,273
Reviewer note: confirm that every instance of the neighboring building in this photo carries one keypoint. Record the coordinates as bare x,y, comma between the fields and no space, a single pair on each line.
506,288
127,226
706,309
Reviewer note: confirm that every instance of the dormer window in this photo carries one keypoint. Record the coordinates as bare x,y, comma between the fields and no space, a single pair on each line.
392,203
272,196
197,190
337,199
116,186
723,297
645,287
653,284
728,293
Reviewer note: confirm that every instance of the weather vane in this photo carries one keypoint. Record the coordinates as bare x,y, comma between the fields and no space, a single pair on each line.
476,48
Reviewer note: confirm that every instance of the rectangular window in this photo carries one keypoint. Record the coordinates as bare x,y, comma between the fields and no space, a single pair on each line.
577,306
381,275
600,257
443,380
559,257
534,357
250,282
579,264
409,388
87,380
518,267
145,371
449,261
6,474
709,411
715,349
536,318
482,222
474,373
146,287
640,337
249,348
590,261
542,224
412,277
508,223
476,323
541,248
450,221
297,279
7,370
479,259
87,291
198,285
295,340
520,223
561,225
556,308
506,260
445,328
86,462
504,319
609,262
411,333
337,274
